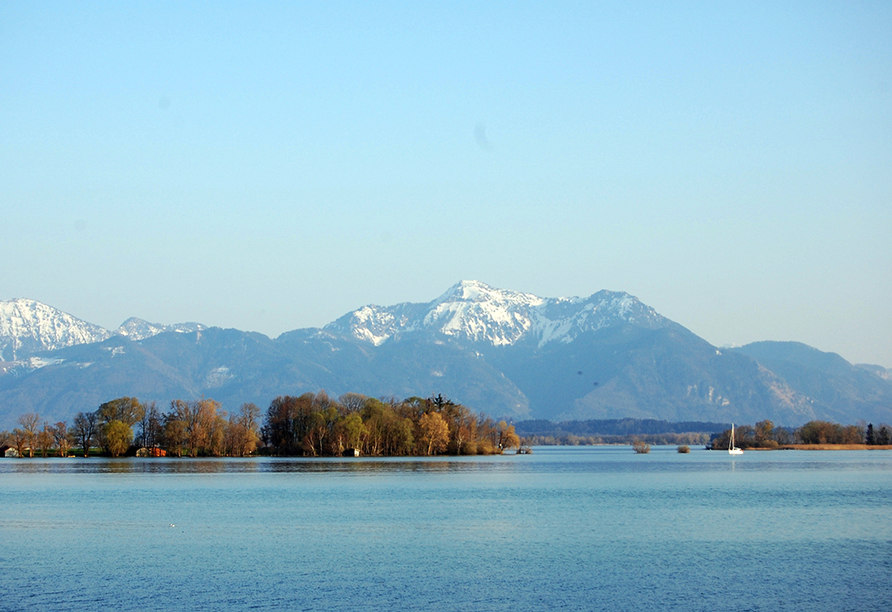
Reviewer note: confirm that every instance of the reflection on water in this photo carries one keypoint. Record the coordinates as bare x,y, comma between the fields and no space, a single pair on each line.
546,459
249,465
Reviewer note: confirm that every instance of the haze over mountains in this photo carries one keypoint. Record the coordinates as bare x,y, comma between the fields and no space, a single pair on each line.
500,352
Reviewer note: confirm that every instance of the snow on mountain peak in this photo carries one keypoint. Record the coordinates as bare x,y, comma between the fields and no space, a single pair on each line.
478,312
475,291
474,311
28,326
137,329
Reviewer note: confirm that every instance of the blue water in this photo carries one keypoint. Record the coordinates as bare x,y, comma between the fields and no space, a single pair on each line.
582,528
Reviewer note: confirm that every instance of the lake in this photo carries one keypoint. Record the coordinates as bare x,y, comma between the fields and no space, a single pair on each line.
565,528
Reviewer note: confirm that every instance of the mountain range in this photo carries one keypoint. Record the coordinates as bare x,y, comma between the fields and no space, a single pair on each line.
505,353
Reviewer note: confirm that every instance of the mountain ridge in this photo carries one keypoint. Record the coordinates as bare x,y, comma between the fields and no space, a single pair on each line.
505,353
480,313
28,327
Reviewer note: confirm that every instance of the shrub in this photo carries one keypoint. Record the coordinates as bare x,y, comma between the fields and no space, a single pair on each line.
684,448
641,447
484,448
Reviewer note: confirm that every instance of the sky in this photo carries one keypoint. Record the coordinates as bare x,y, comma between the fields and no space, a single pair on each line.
270,166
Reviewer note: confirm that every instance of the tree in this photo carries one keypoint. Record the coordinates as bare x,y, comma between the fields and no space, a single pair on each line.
85,430
817,432
62,438
321,429
869,437
487,436
118,436
349,432
45,439
150,426
174,434
764,434
20,440
462,429
216,444
287,423
824,432
440,403
883,436
396,433
641,447
352,402
197,418
205,433
783,435
242,435
30,423
374,414
434,433
248,414
128,410
508,438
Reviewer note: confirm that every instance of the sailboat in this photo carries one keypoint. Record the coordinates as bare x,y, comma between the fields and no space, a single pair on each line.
733,450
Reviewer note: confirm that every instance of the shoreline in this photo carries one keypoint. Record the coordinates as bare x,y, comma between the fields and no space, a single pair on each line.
833,447
828,447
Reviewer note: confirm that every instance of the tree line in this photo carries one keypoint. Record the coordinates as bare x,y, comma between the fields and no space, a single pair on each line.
309,425
316,425
125,424
765,435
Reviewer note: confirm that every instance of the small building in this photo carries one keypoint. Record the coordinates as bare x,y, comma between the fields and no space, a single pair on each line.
11,452
151,452
352,452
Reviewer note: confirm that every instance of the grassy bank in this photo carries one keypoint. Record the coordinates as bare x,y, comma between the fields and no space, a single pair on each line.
832,447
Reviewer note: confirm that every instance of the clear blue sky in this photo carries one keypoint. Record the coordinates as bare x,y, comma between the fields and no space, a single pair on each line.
269,166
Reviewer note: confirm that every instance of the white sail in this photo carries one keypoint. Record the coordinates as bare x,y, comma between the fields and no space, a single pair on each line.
733,450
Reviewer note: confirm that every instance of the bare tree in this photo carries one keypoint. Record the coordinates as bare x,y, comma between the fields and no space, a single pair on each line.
30,422
197,418
352,402
61,438
85,430
20,441
243,433
45,439
150,426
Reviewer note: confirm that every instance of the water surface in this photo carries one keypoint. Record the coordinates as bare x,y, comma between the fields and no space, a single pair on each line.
566,528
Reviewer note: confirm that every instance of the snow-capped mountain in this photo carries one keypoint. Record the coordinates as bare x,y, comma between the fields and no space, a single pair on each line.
471,310
502,352
137,329
28,326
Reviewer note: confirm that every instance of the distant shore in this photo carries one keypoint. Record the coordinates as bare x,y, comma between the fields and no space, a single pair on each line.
829,447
